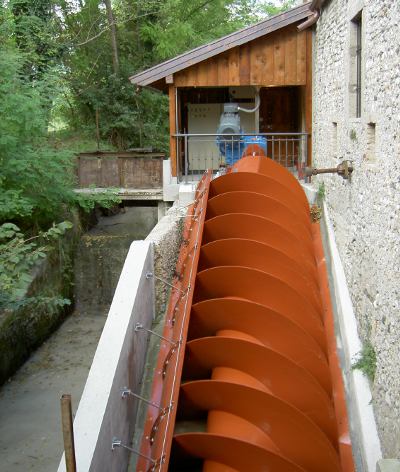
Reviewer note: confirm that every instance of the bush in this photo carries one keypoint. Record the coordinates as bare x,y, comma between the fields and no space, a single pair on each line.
18,257
36,180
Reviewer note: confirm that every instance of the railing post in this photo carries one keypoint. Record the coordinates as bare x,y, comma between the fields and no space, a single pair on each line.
68,432
186,158
291,149
273,147
178,159
286,151
305,160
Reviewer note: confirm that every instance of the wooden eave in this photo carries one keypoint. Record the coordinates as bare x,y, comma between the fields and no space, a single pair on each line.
156,75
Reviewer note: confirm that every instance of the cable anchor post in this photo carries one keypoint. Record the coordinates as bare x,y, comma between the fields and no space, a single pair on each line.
116,443
139,326
150,275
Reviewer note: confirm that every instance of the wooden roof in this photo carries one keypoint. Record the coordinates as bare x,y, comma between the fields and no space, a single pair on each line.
150,76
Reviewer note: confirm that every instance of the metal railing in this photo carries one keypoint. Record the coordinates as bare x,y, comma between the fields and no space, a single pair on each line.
199,152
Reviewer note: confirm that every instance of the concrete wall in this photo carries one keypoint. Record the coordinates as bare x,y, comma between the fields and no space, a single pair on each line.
365,442
118,363
24,329
166,237
365,212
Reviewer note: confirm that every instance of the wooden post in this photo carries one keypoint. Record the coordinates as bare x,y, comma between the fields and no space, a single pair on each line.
68,432
172,128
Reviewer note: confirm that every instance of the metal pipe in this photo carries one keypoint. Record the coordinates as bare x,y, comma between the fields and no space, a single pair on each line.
68,432
257,105
344,169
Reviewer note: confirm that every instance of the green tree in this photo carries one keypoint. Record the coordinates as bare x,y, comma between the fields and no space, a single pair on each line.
146,32
35,26
97,44
35,180
272,8
182,25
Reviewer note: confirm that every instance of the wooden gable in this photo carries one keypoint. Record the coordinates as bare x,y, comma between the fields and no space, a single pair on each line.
278,58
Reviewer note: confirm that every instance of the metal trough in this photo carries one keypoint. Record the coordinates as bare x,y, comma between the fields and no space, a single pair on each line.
249,379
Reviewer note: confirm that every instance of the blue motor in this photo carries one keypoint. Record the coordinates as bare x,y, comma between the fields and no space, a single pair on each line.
259,140
231,147
234,142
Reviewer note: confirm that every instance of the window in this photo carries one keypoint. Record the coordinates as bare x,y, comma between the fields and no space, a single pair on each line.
334,140
355,88
371,142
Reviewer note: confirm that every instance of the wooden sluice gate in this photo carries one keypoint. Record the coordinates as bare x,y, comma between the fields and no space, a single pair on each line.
248,377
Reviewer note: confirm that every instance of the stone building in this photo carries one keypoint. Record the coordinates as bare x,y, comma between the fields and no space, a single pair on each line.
356,115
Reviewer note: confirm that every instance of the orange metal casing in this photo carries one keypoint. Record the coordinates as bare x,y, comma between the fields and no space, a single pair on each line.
261,360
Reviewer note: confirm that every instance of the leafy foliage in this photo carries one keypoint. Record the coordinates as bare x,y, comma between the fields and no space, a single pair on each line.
271,8
182,25
148,31
18,257
35,33
36,180
106,198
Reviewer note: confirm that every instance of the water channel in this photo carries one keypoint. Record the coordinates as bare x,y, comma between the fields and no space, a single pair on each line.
30,425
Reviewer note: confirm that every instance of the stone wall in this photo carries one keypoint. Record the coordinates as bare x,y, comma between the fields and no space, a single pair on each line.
365,211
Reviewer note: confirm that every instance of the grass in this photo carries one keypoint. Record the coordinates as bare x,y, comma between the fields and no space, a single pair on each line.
366,361
321,191
77,141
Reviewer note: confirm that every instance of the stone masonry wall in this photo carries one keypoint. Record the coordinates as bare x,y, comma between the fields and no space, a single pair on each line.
365,211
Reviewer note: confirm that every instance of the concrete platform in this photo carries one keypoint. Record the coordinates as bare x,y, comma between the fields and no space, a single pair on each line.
129,193
30,423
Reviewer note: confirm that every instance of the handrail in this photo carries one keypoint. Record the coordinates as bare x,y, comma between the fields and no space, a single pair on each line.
183,135
200,151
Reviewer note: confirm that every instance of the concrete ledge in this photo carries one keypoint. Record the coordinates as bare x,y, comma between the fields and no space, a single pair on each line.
166,237
365,438
170,184
187,193
388,465
311,192
128,193
118,363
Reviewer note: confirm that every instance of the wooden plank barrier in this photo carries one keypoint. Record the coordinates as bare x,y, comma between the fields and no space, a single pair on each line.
137,170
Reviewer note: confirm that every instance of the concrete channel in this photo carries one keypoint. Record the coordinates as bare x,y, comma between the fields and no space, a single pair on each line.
30,425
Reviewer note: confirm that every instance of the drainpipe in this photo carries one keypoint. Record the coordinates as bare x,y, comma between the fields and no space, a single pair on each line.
315,8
